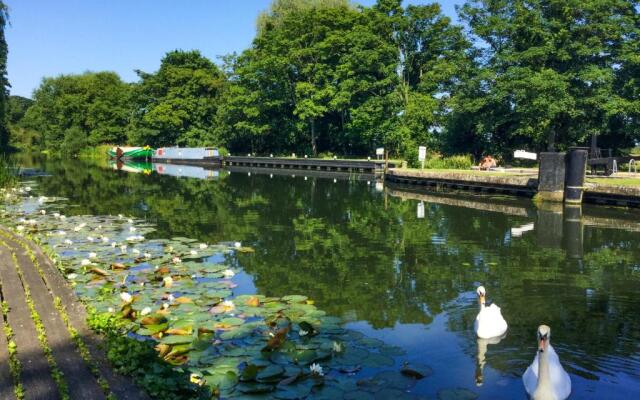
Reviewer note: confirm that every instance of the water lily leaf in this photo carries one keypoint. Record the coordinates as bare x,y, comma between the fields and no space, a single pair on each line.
232,321
416,371
271,373
254,388
176,339
295,298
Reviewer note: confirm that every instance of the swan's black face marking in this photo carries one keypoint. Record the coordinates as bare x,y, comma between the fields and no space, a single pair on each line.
542,341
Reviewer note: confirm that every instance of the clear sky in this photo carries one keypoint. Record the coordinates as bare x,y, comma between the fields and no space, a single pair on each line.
48,38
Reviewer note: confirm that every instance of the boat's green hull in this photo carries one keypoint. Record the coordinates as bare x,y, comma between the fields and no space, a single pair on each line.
136,154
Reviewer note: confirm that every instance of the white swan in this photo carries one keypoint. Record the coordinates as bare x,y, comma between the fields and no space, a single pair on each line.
489,322
545,379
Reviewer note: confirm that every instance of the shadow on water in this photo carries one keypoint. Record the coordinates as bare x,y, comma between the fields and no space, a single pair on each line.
402,265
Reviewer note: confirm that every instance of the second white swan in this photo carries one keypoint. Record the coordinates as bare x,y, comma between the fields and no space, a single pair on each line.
489,322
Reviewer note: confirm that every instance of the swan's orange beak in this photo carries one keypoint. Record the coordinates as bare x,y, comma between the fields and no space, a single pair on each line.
541,344
481,299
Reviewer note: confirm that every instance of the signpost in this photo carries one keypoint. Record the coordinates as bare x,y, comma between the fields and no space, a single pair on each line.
379,152
422,154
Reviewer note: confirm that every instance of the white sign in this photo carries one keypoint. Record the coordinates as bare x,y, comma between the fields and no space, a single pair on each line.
420,210
525,154
422,153
380,151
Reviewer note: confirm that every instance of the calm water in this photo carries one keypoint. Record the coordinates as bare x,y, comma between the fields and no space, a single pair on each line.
403,266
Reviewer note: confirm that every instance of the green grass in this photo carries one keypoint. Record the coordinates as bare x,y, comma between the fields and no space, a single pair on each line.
615,181
8,172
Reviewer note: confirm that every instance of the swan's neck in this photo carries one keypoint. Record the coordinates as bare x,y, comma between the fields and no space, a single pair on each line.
544,373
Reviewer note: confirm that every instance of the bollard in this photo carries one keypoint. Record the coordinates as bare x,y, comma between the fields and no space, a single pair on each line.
551,176
575,172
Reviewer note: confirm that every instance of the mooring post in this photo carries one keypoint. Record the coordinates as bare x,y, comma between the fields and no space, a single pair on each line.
551,176
576,169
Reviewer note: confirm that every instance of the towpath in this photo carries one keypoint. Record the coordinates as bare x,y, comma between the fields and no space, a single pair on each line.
46,349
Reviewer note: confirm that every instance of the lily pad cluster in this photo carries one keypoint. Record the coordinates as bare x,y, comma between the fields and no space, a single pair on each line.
178,293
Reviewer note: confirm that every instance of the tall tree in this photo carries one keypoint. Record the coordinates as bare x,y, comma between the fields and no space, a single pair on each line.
554,72
177,104
74,111
4,81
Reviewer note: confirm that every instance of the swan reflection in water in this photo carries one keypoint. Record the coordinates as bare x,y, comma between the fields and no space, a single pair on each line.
481,356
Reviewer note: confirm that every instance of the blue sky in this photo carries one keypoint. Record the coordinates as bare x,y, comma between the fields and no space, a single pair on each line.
48,38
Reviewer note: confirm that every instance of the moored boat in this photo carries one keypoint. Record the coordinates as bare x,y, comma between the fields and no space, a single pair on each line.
131,153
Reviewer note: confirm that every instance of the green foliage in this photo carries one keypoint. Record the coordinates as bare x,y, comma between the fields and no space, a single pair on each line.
4,82
550,74
139,360
73,111
8,172
177,104
437,161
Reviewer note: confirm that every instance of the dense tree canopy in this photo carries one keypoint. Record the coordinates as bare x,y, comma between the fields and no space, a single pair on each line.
4,82
74,111
332,76
176,105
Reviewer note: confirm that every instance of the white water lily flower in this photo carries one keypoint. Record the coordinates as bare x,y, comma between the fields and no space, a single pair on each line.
114,244
27,189
176,260
167,281
77,228
123,248
110,309
228,273
90,238
147,255
72,276
171,298
120,216
316,369
105,239
56,215
197,379
62,233
63,217
20,228
85,262
31,222
170,249
165,306
43,212
126,297
132,229
93,255
203,246
237,245
145,311
337,347
302,332
194,253
228,305
69,242
136,251
130,221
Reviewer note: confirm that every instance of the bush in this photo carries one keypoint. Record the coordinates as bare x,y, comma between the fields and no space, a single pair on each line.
8,172
436,161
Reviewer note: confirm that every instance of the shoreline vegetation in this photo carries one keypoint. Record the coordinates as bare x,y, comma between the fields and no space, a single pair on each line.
331,76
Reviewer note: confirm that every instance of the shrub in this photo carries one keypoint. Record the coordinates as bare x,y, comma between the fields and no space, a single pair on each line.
437,161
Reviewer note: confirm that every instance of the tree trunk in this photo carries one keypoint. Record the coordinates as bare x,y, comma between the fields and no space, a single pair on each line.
551,140
314,150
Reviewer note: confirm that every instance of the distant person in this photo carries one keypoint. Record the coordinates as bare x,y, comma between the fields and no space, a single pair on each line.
487,163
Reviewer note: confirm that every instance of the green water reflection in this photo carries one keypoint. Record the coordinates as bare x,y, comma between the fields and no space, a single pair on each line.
365,255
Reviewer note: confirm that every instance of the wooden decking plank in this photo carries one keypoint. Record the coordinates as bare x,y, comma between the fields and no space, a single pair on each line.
121,386
81,382
6,379
36,376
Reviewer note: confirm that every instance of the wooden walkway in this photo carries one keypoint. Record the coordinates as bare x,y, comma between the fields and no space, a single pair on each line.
37,351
